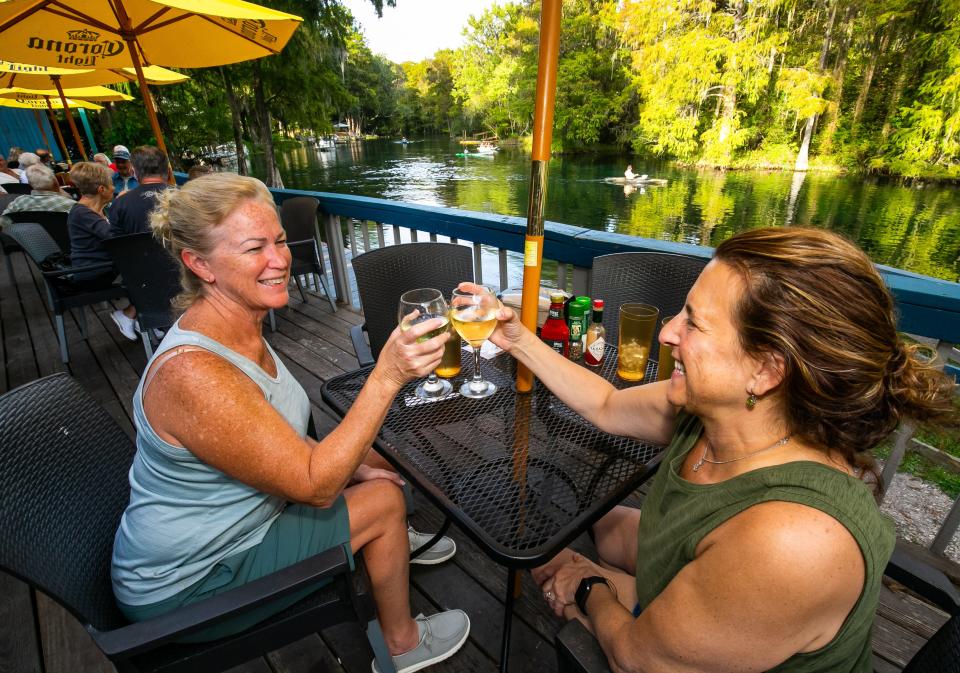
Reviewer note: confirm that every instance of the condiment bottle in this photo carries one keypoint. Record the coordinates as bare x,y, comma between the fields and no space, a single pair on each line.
555,332
596,337
575,325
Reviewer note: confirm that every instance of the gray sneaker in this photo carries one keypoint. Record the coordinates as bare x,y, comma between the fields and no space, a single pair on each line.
442,551
441,635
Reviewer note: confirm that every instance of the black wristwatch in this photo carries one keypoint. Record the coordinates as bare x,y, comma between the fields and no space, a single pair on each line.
583,590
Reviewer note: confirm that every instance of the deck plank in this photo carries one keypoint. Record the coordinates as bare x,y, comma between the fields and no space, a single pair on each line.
19,647
67,647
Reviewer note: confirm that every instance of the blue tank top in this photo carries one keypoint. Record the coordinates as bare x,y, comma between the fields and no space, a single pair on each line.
185,516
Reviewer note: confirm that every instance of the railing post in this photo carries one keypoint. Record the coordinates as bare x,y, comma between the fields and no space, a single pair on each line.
892,464
504,276
477,264
338,259
947,530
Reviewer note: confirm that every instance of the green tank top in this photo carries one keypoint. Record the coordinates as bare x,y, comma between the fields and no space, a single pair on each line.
677,514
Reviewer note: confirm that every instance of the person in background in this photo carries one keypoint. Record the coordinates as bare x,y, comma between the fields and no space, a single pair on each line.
199,170
226,486
88,227
46,195
123,179
629,174
27,159
761,526
8,174
102,158
13,157
130,212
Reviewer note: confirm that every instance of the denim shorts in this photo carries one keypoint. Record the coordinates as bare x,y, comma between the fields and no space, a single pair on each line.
301,531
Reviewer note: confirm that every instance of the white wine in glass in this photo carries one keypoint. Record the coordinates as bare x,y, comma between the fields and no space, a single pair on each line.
474,316
417,306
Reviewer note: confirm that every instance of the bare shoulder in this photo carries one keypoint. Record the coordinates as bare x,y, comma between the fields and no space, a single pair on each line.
799,550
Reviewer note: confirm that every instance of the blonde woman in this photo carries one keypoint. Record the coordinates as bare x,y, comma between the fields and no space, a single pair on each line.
226,486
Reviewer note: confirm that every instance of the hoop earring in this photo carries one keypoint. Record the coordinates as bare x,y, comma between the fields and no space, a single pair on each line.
751,401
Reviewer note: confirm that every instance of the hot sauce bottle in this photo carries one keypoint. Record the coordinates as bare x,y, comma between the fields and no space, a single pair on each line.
596,343
555,332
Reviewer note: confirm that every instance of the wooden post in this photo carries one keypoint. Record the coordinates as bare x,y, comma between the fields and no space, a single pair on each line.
56,130
66,111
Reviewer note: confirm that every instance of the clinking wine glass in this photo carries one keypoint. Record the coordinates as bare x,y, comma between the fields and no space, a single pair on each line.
474,316
417,306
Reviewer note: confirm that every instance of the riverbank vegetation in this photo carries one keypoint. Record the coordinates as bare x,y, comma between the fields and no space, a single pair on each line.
859,85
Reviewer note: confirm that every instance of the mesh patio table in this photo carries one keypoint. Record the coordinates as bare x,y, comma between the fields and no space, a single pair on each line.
521,475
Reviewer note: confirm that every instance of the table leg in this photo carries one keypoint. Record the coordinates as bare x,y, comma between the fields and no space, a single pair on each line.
507,620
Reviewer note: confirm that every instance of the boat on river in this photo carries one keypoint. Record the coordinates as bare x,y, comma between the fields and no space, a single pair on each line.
638,181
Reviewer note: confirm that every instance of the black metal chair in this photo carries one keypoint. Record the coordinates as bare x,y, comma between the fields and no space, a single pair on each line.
55,222
299,219
17,188
152,278
63,472
62,293
658,278
386,273
579,652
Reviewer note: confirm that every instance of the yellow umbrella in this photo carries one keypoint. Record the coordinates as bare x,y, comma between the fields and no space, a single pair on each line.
125,33
38,103
87,93
45,77
42,77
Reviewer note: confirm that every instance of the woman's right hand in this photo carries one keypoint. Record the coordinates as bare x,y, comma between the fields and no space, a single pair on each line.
509,329
403,359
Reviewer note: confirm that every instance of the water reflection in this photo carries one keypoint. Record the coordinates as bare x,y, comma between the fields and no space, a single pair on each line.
916,228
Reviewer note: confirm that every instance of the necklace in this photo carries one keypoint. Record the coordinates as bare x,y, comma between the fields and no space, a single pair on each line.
707,445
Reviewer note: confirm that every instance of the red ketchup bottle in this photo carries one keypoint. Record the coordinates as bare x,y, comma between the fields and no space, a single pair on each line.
555,332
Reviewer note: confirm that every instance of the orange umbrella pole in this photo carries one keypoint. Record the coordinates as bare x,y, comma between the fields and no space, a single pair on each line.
542,137
56,131
43,131
69,115
148,103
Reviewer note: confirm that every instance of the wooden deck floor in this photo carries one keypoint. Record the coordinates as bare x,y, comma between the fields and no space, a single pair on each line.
36,635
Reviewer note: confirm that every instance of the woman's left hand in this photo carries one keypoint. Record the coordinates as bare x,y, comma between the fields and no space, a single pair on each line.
367,473
560,589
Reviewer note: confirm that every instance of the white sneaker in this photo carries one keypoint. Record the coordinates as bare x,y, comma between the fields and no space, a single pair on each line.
127,326
441,635
443,550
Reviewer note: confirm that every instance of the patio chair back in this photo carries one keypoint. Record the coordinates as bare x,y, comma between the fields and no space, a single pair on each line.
658,278
17,188
61,294
299,219
7,244
63,473
53,221
386,273
151,276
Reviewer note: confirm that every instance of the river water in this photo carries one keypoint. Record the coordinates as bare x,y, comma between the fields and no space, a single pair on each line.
910,227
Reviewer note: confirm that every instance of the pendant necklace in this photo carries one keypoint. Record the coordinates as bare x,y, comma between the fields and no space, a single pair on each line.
707,446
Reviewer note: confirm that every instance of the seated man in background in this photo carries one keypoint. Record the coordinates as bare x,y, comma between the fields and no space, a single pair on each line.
27,159
130,213
8,174
45,195
123,179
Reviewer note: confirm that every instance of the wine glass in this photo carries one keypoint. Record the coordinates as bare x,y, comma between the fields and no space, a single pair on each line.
415,307
474,316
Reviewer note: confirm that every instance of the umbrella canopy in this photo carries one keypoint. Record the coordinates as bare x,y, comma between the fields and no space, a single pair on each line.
125,33
42,77
47,103
87,93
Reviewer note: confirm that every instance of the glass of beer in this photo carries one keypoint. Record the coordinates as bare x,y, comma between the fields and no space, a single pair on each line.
416,306
637,324
665,363
474,316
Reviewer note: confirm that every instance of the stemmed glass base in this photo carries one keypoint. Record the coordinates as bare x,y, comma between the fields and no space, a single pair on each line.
433,388
478,389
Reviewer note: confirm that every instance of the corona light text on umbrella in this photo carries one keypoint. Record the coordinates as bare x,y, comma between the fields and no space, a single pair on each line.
86,93
134,33
43,104
42,77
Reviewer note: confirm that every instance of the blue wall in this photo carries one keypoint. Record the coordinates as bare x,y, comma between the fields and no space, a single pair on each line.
19,128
